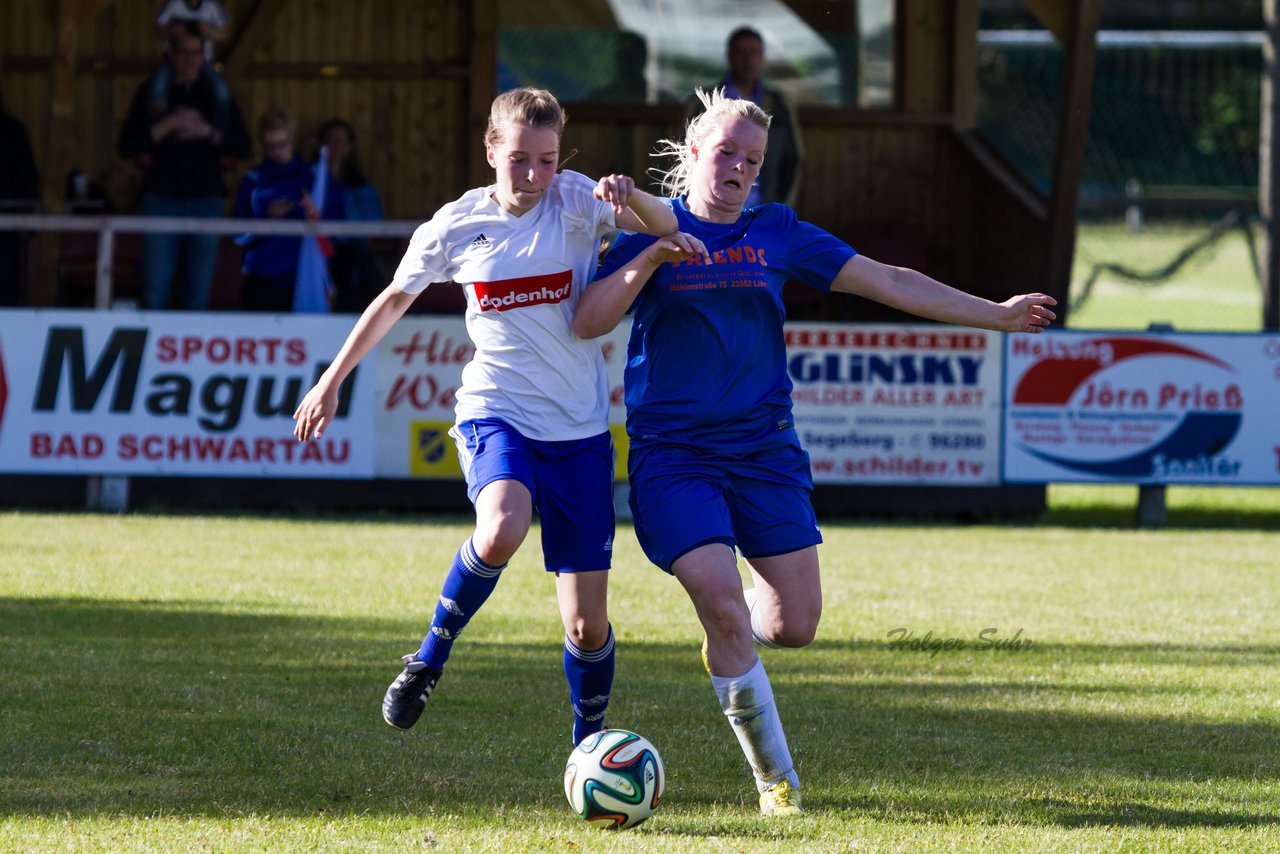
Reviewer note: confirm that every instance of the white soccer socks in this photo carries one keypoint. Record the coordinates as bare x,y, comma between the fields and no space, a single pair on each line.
747,701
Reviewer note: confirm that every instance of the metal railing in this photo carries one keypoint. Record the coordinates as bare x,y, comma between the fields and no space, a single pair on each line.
108,226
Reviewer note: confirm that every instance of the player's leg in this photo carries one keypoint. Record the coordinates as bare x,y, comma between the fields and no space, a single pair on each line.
709,574
588,647
504,510
683,523
779,537
499,471
786,602
575,488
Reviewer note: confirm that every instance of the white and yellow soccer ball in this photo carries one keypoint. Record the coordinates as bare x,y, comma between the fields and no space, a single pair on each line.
614,779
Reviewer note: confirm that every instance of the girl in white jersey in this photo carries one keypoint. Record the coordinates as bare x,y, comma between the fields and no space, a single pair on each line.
532,413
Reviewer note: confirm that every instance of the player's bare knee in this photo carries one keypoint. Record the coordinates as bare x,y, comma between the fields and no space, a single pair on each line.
587,634
498,540
794,630
793,636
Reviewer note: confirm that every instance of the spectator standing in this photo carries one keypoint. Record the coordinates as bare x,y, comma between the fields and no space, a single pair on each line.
277,188
357,275
19,192
779,179
182,152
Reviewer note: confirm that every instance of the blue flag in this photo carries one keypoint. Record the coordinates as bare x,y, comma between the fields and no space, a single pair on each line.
312,287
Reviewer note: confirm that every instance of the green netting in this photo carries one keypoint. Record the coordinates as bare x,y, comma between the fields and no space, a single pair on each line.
1181,119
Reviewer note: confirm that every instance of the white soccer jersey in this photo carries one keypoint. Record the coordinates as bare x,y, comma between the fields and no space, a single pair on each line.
523,276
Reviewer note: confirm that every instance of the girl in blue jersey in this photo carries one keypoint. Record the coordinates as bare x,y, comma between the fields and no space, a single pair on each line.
533,428
715,462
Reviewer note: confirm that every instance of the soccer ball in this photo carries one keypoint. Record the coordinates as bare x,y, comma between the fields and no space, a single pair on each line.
614,779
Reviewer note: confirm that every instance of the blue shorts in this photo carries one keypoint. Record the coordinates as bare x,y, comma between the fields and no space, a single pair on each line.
571,484
682,498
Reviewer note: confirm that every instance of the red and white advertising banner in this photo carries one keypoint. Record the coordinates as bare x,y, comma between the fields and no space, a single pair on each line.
897,404
420,364
174,393
1142,408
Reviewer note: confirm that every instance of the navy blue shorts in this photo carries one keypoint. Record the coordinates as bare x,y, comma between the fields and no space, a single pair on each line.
571,484
682,498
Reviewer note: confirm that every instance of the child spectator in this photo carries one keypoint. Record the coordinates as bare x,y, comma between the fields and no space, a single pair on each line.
278,187
210,19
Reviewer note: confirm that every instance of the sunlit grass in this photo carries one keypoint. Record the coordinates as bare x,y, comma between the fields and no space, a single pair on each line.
185,683
1216,290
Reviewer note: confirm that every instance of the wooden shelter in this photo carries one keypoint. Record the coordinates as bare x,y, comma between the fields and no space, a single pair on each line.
415,79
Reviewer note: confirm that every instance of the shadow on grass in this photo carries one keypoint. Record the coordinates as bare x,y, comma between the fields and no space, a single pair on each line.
193,708
1179,518
1088,516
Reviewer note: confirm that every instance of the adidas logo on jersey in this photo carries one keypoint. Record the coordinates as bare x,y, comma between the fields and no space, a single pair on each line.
480,242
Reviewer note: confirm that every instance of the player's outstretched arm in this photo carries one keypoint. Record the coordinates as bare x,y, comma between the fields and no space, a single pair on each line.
912,291
606,300
635,210
316,411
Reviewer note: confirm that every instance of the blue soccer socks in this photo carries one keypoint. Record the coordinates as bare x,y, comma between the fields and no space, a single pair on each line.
466,587
590,675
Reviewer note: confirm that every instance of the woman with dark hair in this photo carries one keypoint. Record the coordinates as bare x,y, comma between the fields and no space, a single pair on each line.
357,275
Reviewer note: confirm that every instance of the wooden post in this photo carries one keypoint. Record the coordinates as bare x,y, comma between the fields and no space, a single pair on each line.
482,86
61,144
1269,167
964,69
1077,92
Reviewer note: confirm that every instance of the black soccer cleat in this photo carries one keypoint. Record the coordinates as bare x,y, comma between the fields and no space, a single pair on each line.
406,699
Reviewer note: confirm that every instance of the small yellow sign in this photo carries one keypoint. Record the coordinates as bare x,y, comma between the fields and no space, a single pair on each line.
432,452
620,448
434,455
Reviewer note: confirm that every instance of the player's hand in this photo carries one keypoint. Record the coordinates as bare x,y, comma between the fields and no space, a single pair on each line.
616,190
1027,313
314,413
676,247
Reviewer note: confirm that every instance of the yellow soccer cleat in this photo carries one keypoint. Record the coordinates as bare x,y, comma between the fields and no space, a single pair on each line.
780,799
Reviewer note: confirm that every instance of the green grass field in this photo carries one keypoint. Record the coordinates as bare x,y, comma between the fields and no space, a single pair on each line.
1216,290
183,682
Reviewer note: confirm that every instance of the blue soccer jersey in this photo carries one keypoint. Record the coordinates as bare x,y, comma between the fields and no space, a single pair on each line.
706,363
